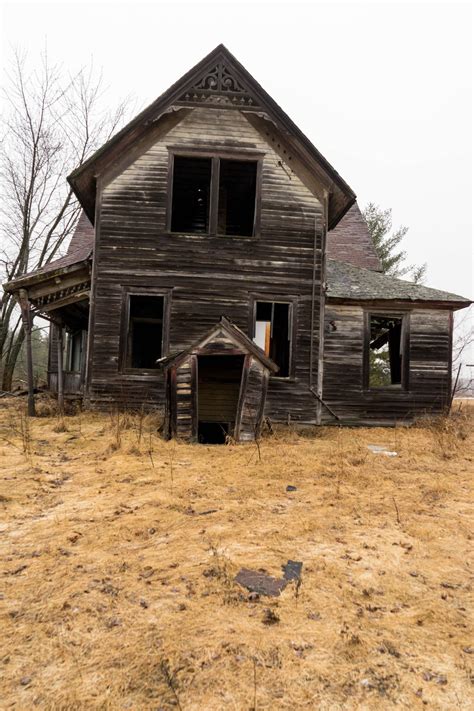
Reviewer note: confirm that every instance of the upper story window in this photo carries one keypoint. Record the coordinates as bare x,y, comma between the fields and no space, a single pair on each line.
214,195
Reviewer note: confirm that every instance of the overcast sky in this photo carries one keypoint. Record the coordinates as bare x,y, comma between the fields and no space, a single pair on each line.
384,90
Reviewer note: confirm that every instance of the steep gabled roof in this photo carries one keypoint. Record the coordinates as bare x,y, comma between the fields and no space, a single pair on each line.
350,241
218,79
345,281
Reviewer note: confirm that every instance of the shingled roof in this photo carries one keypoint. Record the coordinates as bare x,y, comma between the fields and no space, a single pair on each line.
351,242
79,250
346,281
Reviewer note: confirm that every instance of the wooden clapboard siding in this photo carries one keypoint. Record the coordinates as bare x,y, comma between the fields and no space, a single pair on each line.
253,395
429,376
208,276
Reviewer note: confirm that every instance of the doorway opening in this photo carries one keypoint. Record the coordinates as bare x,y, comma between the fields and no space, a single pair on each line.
219,378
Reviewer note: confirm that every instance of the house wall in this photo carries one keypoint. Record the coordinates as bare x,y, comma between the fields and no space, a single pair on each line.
429,367
208,276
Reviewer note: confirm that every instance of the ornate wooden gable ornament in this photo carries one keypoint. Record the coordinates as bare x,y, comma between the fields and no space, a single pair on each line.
218,86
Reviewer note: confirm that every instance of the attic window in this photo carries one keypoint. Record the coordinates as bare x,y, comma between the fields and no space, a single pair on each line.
273,333
145,331
214,195
386,351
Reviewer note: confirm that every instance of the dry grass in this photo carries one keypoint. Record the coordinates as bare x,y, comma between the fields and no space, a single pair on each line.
117,587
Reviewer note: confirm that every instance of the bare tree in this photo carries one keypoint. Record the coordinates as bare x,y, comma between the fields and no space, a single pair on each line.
52,122
463,343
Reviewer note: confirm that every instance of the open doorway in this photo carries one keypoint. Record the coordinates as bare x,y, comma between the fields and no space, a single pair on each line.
219,379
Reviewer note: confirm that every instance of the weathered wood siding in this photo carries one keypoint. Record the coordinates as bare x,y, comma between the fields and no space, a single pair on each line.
429,376
253,397
208,276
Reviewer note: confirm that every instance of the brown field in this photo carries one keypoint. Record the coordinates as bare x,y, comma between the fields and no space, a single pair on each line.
119,552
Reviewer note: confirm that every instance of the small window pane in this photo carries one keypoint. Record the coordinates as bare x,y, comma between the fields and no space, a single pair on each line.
191,194
237,185
145,331
385,352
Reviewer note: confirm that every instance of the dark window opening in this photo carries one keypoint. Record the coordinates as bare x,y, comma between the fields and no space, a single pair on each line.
191,194
237,187
385,352
145,331
213,195
74,352
273,333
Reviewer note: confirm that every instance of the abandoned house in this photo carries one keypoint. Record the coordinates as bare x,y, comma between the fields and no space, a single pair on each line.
221,270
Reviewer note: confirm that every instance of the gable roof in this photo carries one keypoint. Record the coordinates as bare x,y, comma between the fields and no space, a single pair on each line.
350,241
235,334
348,282
218,79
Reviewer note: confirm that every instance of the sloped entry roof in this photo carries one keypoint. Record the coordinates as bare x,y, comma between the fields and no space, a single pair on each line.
346,281
236,335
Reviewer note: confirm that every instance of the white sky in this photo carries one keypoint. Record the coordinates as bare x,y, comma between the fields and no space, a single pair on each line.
384,90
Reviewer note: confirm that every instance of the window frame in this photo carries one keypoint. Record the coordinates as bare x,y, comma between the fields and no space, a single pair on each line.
403,386
215,155
292,301
127,292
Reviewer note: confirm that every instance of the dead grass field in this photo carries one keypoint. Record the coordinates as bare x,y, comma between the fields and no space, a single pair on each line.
119,552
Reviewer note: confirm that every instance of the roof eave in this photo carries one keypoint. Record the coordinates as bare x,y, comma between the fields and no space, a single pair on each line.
142,121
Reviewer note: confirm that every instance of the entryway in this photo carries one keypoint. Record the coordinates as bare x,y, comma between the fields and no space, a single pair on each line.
219,379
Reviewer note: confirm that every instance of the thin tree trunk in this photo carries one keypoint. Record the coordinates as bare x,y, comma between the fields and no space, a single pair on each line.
9,366
27,323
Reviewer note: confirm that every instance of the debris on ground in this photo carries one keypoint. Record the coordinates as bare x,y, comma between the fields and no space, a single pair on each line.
380,449
270,617
292,570
290,487
258,581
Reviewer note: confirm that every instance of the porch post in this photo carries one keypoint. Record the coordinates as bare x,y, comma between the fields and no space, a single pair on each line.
59,339
27,323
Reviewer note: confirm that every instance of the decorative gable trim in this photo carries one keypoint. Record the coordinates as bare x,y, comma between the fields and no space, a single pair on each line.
220,86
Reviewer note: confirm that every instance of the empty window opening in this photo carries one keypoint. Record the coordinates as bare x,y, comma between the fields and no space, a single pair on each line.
74,352
385,352
273,333
219,379
237,188
191,194
145,331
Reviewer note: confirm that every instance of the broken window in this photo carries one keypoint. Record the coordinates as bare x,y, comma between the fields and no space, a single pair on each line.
74,351
385,351
213,196
237,185
145,331
273,332
191,194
